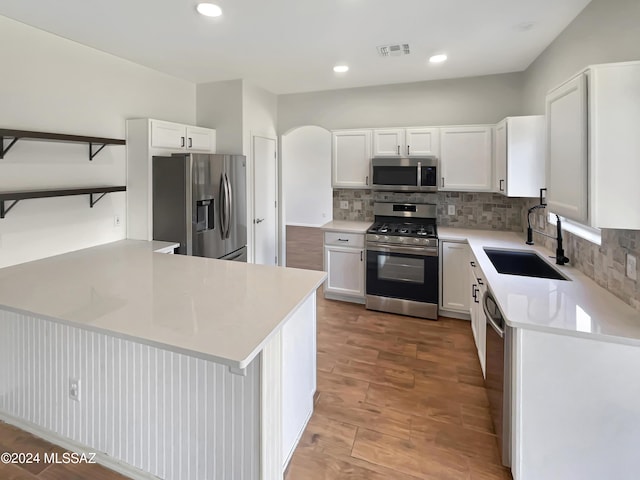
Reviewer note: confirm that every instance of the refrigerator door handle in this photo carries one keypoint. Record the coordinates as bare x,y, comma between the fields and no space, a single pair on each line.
223,206
229,205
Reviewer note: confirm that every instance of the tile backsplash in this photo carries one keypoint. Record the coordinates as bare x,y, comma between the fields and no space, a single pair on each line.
473,210
605,264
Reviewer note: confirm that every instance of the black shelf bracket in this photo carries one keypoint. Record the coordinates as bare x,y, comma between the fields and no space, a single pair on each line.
92,154
4,210
5,150
92,202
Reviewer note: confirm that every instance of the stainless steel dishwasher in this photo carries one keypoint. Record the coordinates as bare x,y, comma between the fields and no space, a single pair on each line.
498,374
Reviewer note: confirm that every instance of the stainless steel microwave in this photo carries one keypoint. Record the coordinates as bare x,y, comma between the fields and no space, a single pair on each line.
395,174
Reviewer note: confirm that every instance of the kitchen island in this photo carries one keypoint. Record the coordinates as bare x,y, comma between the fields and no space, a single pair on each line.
186,367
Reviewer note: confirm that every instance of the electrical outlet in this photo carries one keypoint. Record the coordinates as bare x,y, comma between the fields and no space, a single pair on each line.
452,209
116,220
74,389
631,267
357,205
344,204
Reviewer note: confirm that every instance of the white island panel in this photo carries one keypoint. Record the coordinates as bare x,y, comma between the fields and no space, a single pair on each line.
161,412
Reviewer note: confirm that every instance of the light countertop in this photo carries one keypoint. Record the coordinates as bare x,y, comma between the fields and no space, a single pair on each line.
577,307
214,309
346,226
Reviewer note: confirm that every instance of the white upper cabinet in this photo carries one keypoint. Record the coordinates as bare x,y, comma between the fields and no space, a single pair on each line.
466,160
389,143
593,147
179,137
351,157
406,142
567,166
520,156
422,141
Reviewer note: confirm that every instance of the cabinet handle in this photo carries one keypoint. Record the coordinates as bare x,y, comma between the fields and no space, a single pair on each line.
442,182
343,239
473,264
408,150
361,258
398,149
475,297
190,142
182,141
501,187
473,290
542,196
366,180
480,281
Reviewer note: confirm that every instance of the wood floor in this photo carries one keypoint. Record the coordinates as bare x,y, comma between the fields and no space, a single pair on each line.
13,440
398,398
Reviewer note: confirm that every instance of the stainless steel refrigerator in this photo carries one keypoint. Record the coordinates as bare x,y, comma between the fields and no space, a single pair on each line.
200,200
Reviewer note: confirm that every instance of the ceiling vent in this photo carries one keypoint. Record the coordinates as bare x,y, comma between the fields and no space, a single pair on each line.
394,50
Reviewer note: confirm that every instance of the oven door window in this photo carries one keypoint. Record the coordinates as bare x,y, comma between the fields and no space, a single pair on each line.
395,175
397,275
401,269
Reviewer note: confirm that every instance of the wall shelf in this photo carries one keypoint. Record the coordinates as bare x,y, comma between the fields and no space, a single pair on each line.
95,195
98,142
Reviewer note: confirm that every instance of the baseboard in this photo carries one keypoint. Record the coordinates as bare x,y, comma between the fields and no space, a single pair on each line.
100,458
452,314
344,298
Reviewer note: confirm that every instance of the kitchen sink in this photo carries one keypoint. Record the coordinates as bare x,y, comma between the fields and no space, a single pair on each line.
522,262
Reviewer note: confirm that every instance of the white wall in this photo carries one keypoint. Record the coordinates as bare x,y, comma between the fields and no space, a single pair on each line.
259,117
606,31
219,106
485,99
54,85
306,176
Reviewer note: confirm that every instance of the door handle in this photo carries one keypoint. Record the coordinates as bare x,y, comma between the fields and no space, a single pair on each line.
259,220
229,205
223,207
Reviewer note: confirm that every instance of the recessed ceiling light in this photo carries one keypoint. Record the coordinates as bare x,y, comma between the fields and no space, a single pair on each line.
341,68
438,58
209,10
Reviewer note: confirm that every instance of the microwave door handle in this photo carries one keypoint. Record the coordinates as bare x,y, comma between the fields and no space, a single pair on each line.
419,174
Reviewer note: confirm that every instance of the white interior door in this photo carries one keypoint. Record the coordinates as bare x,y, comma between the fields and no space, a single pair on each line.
265,182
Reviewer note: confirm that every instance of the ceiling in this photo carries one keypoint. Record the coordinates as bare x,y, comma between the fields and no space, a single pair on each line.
288,46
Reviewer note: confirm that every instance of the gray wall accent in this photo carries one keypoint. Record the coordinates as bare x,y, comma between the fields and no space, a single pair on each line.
606,31
473,100
219,106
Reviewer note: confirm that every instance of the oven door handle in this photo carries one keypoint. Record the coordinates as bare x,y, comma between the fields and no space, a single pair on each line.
417,251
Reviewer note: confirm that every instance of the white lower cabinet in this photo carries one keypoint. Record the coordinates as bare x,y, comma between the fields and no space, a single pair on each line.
455,279
478,318
344,262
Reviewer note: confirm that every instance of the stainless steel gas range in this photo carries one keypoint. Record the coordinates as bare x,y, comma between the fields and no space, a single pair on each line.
402,260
